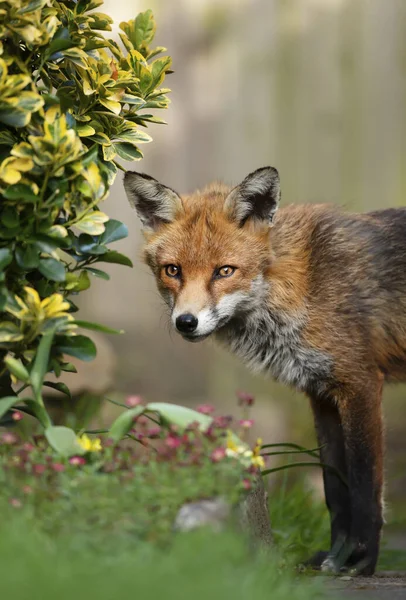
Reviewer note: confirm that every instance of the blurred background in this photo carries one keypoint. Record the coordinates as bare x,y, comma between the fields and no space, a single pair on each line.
316,88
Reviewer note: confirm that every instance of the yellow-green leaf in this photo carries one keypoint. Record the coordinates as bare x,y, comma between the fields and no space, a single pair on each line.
93,223
112,105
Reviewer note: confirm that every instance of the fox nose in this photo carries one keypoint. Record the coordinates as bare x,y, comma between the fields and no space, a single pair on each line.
186,323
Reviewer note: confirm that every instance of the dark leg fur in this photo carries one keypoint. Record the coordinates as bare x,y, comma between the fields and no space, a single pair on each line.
361,417
330,437
350,431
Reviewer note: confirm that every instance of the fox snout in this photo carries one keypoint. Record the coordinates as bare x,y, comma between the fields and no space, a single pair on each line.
194,325
186,323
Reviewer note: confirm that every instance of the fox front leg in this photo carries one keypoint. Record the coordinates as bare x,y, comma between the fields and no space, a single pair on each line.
349,430
330,438
361,416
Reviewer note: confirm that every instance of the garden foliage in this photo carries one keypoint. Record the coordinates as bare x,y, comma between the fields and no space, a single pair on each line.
72,102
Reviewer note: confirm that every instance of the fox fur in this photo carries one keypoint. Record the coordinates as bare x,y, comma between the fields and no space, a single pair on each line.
309,294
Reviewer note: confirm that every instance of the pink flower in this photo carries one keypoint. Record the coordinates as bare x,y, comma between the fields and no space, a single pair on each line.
246,484
15,502
27,489
245,399
222,422
77,460
172,441
9,438
205,409
246,423
38,469
133,401
141,421
17,415
154,432
218,454
28,447
58,467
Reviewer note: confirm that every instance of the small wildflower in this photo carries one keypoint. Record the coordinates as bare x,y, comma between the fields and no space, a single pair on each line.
141,421
27,489
17,415
258,460
89,445
246,484
77,460
133,401
38,469
28,447
245,399
218,454
58,467
205,409
15,503
9,438
222,422
172,441
246,423
154,432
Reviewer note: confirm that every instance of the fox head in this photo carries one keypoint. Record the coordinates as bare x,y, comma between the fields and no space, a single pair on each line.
210,250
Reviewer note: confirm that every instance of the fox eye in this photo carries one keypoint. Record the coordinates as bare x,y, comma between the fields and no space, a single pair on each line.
172,270
225,271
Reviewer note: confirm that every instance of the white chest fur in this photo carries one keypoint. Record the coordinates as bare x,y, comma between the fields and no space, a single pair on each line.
271,343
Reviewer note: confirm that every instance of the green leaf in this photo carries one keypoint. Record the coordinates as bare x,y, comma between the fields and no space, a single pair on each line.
27,258
10,217
45,243
77,282
85,130
98,273
79,346
113,231
68,367
16,367
3,297
52,269
5,257
59,44
124,422
96,327
7,402
20,191
61,387
181,416
93,223
134,136
30,101
40,366
127,151
87,244
116,258
144,29
133,100
10,332
15,117
63,440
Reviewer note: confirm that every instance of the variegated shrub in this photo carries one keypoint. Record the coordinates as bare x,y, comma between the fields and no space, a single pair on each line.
72,102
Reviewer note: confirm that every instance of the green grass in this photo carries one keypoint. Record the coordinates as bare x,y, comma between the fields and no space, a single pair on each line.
300,522
198,565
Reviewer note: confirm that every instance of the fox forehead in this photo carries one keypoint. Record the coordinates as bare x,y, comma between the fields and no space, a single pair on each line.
202,237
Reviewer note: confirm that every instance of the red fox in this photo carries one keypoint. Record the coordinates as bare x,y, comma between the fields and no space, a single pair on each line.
308,294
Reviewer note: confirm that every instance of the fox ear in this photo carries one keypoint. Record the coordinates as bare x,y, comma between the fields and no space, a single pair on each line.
257,197
155,203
